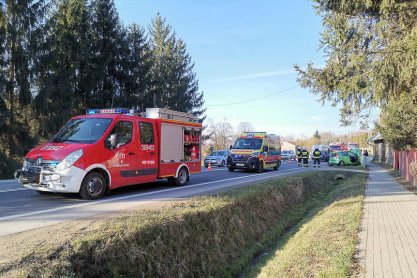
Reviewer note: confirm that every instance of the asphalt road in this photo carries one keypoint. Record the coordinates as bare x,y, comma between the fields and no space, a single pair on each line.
22,209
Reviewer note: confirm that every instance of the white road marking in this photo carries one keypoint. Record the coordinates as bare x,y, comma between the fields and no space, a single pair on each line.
272,174
6,181
13,190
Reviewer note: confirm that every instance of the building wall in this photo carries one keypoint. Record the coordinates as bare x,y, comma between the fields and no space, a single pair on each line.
383,153
287,146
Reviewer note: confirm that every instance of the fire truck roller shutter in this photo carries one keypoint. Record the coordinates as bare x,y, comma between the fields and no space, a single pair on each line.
171,150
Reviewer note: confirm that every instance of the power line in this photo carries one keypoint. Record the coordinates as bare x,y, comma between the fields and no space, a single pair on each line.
253,99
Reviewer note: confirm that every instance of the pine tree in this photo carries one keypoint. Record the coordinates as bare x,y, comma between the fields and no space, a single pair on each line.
316,135
162,45
371,56
63,77
107,36
174,83
137,64
20,25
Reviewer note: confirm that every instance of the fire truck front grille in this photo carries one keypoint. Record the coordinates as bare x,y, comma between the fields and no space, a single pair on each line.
46,165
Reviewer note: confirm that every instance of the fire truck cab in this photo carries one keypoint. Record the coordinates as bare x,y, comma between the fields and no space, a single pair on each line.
255,151
110,148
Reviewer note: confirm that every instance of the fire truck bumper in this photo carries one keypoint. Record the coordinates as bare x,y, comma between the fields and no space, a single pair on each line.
65,181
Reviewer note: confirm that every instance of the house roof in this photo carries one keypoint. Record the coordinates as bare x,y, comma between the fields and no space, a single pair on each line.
377,137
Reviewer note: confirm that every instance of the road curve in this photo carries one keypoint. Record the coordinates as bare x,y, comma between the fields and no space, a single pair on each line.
23,209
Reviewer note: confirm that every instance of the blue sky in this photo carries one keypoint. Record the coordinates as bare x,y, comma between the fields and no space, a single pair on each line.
244,51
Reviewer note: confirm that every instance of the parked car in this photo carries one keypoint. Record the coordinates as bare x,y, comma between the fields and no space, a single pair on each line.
325,156
217,158
342,158
288,155
325,152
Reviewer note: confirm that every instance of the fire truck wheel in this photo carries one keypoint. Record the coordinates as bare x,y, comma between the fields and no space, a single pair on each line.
182,177
260,168
93,186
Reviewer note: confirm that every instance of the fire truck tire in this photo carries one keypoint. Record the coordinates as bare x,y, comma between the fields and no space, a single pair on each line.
260,168
182,177
93,187
341,163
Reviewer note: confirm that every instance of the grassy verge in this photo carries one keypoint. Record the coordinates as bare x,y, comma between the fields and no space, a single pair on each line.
323,244
205,236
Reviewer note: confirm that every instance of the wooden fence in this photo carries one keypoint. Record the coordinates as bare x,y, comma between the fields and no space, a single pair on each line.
405,163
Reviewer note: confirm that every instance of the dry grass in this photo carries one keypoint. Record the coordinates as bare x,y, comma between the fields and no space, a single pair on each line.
323,244
206,236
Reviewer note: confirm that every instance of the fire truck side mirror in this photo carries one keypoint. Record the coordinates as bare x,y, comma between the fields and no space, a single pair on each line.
230,147
265,148
112,141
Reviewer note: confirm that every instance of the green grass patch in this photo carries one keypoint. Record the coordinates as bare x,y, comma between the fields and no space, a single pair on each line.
324,243
205,236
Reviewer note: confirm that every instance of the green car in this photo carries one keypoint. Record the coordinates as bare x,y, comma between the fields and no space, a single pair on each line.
342,158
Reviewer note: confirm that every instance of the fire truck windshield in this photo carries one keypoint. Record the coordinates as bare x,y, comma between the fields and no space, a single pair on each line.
248,143
84,131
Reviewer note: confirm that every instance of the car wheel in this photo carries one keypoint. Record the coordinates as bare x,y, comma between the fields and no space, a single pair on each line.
260,168
231,169
93,187
341,163
182,177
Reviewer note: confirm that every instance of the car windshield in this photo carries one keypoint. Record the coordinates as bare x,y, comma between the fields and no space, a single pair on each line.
335,148
248,143
217,154
84,130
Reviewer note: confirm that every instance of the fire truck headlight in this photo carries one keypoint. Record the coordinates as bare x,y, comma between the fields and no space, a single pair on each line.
255,154
69,160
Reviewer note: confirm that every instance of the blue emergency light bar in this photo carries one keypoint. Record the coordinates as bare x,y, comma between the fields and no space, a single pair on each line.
108,111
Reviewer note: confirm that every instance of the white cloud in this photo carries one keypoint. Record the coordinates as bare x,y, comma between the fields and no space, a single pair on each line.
316,118
257,75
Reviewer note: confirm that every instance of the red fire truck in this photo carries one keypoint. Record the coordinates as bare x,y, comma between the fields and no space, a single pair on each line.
110,148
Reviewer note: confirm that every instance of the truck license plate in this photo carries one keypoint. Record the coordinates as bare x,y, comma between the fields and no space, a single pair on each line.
240,164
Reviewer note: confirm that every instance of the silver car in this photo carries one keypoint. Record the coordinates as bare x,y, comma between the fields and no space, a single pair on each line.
288,155
217,158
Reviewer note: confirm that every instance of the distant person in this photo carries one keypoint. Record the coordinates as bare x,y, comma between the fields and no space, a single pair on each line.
365,155
304,154
316,157
299,157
